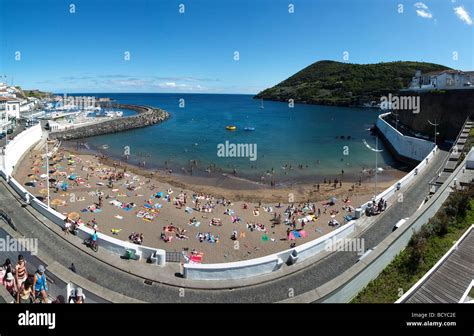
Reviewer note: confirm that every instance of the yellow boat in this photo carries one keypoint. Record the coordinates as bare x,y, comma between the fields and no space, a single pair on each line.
231,128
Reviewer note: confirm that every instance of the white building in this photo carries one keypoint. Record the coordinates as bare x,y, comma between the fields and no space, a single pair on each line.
443,80
4,122
12,107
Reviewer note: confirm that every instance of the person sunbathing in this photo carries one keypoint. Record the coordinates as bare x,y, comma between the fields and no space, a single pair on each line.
170,228
165,238
181,236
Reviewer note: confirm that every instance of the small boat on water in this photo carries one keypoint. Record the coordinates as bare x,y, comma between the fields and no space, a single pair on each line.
104,146
231,128
249,129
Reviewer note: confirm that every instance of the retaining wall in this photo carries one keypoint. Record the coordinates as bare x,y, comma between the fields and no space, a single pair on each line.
407,149
19,146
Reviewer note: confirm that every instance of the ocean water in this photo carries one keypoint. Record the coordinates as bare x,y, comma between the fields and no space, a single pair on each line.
303,135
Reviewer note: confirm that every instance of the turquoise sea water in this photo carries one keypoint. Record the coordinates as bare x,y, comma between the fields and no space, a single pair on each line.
302,135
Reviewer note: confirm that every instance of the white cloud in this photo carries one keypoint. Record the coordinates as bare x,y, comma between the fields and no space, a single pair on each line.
420,5
422,10
463,15
167,85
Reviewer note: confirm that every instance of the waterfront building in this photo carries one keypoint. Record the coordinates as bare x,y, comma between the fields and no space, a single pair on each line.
443,80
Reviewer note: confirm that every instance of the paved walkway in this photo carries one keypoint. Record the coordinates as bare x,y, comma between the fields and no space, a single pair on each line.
298,282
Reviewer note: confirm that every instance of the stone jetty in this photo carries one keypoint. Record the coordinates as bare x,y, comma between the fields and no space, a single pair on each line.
146,116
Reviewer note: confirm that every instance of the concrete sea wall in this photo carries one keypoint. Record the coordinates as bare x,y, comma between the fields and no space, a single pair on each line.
145,116
406,149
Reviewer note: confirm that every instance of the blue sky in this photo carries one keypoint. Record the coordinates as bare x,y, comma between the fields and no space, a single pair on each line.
194,51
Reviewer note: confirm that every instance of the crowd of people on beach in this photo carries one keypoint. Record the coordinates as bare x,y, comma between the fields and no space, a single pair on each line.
120,183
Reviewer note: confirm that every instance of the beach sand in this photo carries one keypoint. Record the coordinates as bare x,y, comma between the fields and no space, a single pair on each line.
139,186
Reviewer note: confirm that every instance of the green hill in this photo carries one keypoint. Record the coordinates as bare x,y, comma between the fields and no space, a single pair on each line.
36,93
346,84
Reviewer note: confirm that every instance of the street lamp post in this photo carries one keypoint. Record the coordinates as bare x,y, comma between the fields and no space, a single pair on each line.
396,120
47,171
376,150
435,126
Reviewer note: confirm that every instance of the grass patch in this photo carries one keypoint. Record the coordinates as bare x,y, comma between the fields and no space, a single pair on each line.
424,250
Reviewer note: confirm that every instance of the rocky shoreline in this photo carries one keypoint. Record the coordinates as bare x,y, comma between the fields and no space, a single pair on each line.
146,116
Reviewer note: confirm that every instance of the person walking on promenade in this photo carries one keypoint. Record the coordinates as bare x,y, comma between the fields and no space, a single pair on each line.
21,274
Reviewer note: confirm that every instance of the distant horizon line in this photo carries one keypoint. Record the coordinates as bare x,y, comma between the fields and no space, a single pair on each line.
178,93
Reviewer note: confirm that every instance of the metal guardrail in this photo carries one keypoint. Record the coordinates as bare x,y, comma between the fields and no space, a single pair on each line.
174,257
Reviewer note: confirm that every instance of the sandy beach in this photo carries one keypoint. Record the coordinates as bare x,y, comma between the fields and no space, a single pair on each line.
181,213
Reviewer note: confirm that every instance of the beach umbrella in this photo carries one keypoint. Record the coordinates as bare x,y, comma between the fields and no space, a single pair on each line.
58,202
159,194
333,199
43,175
52,180
73,216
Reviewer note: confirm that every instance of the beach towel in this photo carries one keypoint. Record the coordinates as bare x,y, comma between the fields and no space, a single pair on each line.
303,233
319,230
296,234
291,236
188,210
148,206
264,238
158,206
118,217
196,259
115,231
97,210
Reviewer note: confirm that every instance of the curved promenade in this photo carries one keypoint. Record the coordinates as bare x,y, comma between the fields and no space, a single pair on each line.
305,279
